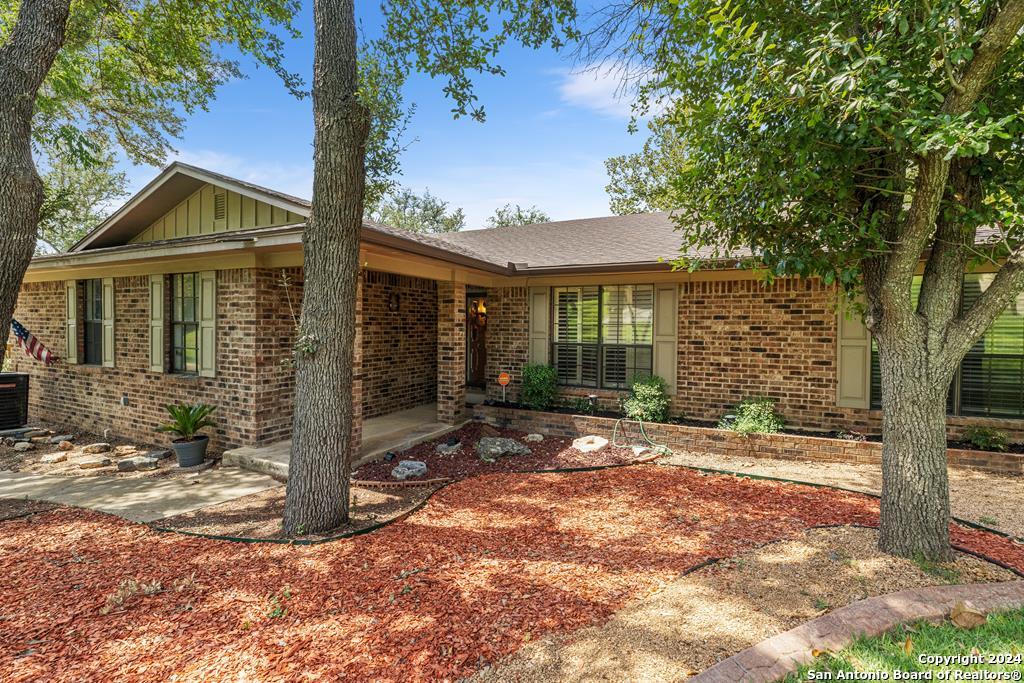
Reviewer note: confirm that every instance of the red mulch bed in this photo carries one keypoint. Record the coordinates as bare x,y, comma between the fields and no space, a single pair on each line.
552,453
486,565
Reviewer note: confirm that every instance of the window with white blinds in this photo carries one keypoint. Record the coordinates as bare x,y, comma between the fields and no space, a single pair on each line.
602,336
990,380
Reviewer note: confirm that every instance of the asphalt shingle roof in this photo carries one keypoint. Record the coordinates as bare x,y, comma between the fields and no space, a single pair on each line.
638,238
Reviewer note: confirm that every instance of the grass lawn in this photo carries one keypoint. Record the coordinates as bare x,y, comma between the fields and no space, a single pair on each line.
995,646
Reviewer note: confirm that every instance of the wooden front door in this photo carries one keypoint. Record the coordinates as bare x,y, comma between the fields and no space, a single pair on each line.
476,341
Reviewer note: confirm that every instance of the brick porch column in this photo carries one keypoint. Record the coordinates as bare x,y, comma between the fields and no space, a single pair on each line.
357,375
451,352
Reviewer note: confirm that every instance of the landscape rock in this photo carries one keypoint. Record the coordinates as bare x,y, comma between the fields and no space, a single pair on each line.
40,439
65,446
95,448
35,433
23,446
9,441
159,454
448,448
493,447
94,462
488,430
125,450
590,444
533,438
409,468
138,463
53,458
639,450
62,437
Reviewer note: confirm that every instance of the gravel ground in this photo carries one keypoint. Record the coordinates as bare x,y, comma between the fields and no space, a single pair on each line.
990,499
713,613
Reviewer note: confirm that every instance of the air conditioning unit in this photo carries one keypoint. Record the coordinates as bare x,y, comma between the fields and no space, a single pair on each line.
13,400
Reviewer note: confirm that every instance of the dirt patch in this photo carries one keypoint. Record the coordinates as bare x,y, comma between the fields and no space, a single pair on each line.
11,508
552,453
259,515
981,497
715,612
34,461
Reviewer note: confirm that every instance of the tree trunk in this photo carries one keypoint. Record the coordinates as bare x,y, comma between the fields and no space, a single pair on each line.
318,474
915,481
25,59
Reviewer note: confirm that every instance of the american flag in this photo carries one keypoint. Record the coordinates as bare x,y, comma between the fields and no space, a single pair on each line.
32,346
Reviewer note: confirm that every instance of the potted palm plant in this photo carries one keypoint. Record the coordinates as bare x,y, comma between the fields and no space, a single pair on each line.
186,421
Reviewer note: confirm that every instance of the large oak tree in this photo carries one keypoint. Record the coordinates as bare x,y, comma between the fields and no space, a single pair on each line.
851,141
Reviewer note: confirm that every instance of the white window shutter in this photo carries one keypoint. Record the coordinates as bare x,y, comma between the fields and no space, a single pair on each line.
539,324
157,354
853,360
666,346
108,322
208,323
71,316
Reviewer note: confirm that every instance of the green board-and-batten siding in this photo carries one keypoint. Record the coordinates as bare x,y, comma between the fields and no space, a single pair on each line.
197,216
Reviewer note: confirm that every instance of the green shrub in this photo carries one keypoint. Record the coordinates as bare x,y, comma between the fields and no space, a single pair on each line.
582,405
187,419
754,416
986,438
540,386
648,399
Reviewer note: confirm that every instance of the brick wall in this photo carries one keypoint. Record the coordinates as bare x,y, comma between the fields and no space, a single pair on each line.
399,348
737,339
723,442
89,397
278,295
508,346
451,352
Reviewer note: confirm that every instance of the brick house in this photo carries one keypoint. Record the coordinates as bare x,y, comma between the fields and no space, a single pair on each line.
191,290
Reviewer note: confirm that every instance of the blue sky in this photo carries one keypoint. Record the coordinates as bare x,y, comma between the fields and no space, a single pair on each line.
550,126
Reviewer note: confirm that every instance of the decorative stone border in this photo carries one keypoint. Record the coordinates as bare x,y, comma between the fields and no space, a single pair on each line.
780,655
725,442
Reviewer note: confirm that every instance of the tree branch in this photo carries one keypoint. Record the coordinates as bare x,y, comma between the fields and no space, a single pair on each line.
968,328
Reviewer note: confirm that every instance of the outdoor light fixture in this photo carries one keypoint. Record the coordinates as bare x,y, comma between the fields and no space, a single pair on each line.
394,302
478,310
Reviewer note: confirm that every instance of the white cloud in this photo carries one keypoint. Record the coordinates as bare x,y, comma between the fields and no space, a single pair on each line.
597,89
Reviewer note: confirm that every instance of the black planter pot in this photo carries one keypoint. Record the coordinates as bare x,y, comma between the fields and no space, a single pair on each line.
191,453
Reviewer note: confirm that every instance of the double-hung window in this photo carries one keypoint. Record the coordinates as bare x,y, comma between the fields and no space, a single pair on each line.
602,336
185,323
92,320
990,379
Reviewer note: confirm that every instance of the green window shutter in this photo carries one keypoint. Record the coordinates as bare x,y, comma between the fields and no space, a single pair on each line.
71,315
853,372
208,323
540,324
156,323
108,322
666,327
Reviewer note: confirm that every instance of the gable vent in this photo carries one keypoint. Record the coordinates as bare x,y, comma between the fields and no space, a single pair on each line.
220,206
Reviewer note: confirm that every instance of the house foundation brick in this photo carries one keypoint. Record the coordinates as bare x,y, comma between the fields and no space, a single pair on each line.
451,352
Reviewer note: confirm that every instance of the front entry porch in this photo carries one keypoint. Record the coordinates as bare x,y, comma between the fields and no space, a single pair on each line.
392,432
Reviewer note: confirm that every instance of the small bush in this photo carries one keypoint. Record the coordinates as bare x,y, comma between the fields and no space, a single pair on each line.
582,405
648,399
754,416
986,438
540,386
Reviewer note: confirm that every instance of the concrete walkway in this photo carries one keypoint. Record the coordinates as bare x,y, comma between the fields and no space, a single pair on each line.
393,432
137,499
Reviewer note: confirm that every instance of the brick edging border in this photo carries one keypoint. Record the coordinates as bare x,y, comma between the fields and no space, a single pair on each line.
781,446
782,654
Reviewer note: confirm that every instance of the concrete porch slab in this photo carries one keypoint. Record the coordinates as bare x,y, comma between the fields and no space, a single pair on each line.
393,432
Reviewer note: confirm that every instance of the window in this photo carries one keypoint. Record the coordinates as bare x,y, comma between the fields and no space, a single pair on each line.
602,336
990,381
185,323
93,320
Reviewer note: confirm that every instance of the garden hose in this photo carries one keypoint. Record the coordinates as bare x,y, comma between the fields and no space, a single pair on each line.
658,447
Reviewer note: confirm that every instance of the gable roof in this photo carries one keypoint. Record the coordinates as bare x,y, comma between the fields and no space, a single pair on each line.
174,184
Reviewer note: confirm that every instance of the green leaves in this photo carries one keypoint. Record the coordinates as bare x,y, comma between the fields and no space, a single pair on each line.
795,130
